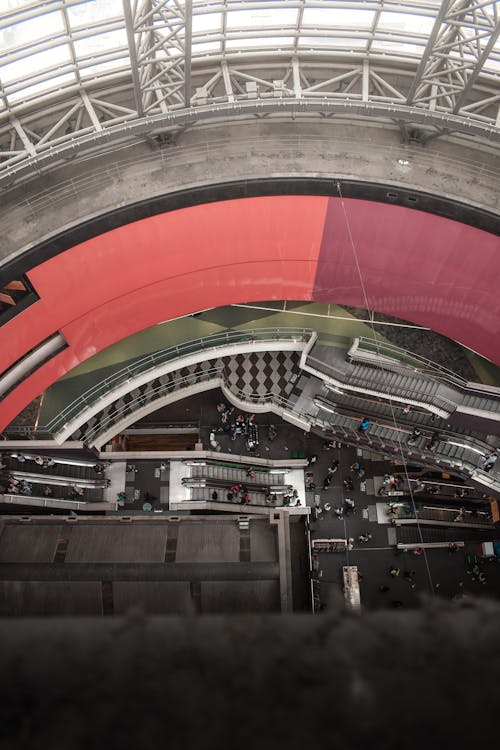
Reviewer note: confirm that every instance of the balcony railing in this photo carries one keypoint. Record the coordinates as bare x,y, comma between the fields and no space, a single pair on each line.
394,357
206,344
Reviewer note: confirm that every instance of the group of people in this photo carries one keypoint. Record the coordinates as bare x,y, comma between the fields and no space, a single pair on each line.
75,492
364,538
291,499
357,469
15,486
238,493
18,486
432,442
241,424
490,459
46,462
329,474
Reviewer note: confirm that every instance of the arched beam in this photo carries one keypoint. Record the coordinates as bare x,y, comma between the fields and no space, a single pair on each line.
414,266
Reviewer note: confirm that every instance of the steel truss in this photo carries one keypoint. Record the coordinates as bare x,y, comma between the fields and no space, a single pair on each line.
464,34
167,87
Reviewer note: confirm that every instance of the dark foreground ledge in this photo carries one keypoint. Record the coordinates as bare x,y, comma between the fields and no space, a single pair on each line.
392,679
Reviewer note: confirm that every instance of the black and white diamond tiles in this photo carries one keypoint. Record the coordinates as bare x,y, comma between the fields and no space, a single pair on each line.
255,374
262,372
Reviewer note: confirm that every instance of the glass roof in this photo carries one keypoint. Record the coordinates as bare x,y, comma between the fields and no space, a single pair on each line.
77,66
51,46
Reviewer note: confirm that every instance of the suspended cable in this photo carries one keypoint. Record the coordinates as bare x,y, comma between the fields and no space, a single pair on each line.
391,405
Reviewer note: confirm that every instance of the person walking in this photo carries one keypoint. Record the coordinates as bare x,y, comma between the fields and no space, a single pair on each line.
364,425
414,436
490,460
333,467
435,438
349,505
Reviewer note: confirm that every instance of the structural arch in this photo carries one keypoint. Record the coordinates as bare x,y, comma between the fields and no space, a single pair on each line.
415,266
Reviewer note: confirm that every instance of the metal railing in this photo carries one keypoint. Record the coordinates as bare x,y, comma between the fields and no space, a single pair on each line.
185,381
448,437
107,421
82,186
419,365
410,394
384,444
150,362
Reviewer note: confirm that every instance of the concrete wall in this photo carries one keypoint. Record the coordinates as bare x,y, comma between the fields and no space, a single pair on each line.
82,189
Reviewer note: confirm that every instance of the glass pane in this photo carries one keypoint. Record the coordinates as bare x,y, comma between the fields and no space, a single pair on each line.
96,69
399,47
277,42
334,42
91,11
347,17
205,47
207,22
101,42
13,4
35,63
166,53
405,22
493,64
25,32
258,17
30,91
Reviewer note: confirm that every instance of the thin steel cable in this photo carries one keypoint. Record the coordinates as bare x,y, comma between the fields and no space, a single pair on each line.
391,405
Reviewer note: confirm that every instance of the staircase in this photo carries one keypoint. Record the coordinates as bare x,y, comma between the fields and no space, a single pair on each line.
402,383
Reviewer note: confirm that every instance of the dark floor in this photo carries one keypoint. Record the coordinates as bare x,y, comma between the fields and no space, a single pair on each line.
438,573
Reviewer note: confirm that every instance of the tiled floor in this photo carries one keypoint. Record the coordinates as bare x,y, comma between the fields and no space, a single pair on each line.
258,374
329,320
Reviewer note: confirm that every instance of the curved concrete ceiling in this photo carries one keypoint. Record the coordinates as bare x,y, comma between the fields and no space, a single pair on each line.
424,268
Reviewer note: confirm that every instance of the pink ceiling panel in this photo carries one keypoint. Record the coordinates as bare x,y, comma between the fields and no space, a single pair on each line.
415,266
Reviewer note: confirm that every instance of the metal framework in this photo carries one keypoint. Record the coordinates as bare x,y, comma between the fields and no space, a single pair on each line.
73,72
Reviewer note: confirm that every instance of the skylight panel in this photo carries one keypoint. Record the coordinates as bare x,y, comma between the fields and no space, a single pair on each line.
403,48
33,64
13,4
406,22
338,17
200,47
261,17
26,32
334,42
493,65
265,41
207,22
39,88
109,40
101,68
91,11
